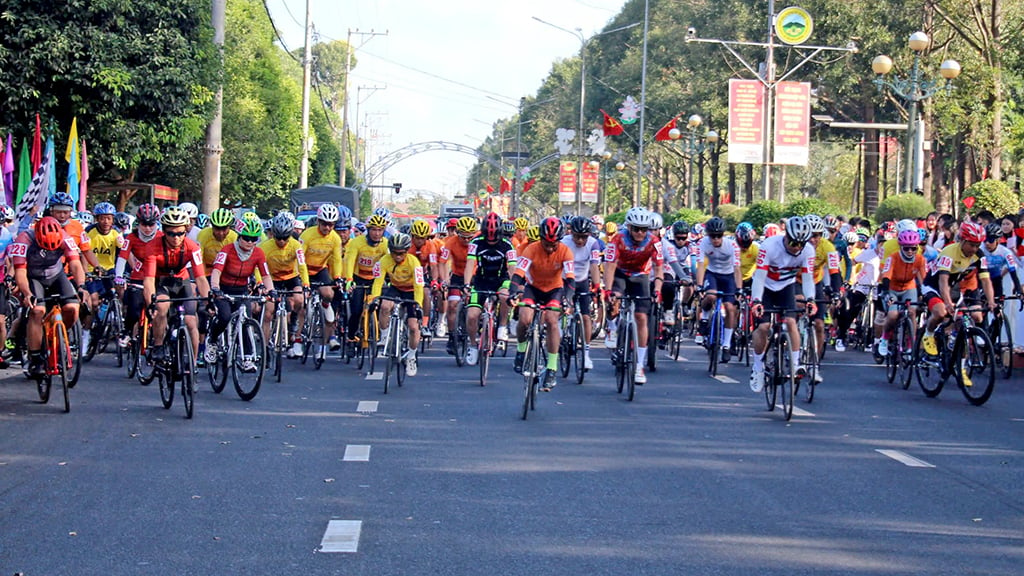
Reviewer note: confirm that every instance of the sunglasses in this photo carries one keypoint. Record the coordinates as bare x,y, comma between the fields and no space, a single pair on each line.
399,252
908,248
282,237
991,239
681,238
249,238
175,234
637,229
715,236
796,243
466,236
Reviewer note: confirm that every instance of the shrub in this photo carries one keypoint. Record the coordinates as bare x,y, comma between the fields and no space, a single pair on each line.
616,217
901,206
689,215
993,195
732,214
805,206
764,212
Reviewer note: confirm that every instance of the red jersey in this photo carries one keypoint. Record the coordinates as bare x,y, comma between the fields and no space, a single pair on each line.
234,271
26,254
633,259
137,247
165,262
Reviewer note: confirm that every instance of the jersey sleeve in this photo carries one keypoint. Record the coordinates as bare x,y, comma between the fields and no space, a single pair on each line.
378,280
19,251
335,264
417,284
300,261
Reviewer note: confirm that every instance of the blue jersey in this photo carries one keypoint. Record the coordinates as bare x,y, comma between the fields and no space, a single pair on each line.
999,260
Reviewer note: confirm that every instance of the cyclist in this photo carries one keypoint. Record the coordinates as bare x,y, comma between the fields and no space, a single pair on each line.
404,275
830,288
232,268
718,275
170,267
454,254
782,259
628,262
679,271
489,262
287,262
193,216
104,240
38,257
999,260
221,233
749,249
865,265
902,275
61,205
955,262
522,225
426,251
586,261
361,257
544,275
134,249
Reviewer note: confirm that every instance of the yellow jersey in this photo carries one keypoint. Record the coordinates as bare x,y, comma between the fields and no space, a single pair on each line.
748,260
360,257
288,262
322,251
825,254
407,276
211,246
105,246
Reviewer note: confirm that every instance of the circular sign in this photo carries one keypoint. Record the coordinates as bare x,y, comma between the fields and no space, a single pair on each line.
794,25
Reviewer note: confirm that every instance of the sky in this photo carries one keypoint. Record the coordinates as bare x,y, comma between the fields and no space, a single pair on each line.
451,69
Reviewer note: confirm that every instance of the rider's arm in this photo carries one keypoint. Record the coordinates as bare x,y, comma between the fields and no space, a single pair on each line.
203,286
467,274
215,279
417,285
833,270
21,280
77,272
300,261
944,288
737,269
757,285
336,267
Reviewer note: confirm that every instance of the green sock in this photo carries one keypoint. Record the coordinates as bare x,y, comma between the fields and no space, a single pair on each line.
552,361
520,346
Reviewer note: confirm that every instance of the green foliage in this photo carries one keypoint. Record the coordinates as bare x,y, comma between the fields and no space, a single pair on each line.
992,195
805,206
689,215
903,206
764,212
617,217
732,214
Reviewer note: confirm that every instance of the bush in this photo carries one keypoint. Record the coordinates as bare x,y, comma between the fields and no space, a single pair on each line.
993,195
805,206
689,215
764,212
616,217
732,214
901,206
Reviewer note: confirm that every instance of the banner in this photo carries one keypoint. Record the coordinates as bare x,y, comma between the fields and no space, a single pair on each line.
792,123
591,181
567,182
746,121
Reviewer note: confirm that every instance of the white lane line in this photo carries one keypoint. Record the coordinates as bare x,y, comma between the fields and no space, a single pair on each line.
680,359
905,458
798,411
357,453
375,376
367,406
726,380
341,536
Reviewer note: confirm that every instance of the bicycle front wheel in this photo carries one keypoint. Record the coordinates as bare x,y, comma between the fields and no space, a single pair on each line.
810,359
581,350
529,376
62,367
187,371
218,369
786,374
975,367
771,372
166,387
486,346
931,376
248,360
75,342
629,364
654,326
905,347
565,351
1002,345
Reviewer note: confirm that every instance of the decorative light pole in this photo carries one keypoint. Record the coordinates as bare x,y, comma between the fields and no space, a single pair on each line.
914,89
692,147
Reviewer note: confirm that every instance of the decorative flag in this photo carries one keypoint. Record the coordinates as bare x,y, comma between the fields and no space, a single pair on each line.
529,184
84,187
48,156
71,157
489,187
35,197
24,170
37,147
612,127
506,185
969,202
662,134
8,171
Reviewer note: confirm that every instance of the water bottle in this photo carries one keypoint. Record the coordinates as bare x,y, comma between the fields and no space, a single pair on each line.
952,339
102,314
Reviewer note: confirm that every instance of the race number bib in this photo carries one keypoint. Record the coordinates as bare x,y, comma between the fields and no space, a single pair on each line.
221,259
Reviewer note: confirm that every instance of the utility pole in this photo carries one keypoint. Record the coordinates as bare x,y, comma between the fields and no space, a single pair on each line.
213,149
344,105
307,63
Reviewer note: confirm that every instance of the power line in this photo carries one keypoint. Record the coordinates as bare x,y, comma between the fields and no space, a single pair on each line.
288,10
279,39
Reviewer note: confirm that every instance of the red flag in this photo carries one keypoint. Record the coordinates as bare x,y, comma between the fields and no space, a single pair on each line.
489,187
612,127
969,202
37,147
529,184
662,134
506,185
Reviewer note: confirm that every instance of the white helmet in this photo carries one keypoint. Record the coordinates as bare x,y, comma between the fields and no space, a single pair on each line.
906,225
191,209
639,217
658,222
327,213
816,223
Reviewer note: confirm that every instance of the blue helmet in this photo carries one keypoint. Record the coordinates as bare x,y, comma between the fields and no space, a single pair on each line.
104,208
344,213
202,221
62,199
383,213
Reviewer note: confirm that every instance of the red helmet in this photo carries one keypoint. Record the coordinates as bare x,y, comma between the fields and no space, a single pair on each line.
551,229
491,226
49,234
452,223
971,232
148,214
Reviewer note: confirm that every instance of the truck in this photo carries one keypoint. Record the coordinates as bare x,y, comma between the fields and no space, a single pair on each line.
305,201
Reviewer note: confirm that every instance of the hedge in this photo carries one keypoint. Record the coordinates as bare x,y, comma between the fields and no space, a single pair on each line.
805,206
764,212
901,206
995,196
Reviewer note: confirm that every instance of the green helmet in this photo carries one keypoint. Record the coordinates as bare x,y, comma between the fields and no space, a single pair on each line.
222,217
251,228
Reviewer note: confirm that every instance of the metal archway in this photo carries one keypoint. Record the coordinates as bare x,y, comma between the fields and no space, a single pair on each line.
386,162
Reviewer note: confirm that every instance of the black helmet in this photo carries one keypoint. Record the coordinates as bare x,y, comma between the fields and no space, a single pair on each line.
714,226
993,230
581,225
399,242
680,228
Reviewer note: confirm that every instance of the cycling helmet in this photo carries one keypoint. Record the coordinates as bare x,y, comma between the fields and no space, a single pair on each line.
831,222
971,232
923,234
993,230
49,234
191,209
581,225
421,229
551,229
744,235
863,234
377,221
698,230
906,225
798,229
250,215
715,226
680,228
103,209
123,221
175,216
250,227
383,213
345,213
533,234
657,220
360,227
399,242
467,225
492,227
405,228
639,218
298,225
62,199
771,230
508,227
610,228
597,219
9,213
451,223
329,213
851,237
222,218
817,225
289,214
281,226
911,238
522,223
202,221
86,218
265,224
343,223
148,214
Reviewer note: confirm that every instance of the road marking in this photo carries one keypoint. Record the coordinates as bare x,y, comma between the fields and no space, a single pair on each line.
341,536
797,411
367,406
905,458
375,376
725,379
357,453
680,359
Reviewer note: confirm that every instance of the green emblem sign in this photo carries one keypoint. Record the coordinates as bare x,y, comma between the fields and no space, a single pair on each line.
794,25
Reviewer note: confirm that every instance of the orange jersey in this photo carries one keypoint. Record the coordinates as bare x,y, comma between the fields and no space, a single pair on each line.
455,251
901,274
77,232
544,271
427,254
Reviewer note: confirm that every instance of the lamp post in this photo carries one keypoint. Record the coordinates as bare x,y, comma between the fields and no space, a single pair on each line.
714,149
692,147
914,88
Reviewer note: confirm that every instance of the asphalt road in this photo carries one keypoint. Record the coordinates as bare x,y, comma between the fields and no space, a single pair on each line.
442,477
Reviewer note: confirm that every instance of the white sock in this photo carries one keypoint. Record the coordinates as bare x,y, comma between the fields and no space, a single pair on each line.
795,356
641,356
758,362
705,314
726,337
328,313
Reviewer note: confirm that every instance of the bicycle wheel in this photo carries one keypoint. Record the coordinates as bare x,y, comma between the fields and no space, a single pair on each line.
931,376
580,346
320,337
131,363
390,351
307,329
166,383
145,370
248,360
403,347
461,337
218,369
45,383
654,326
1002,345
278,342
62,368
892,360
906,342
75,343
529,367
187,371
771,372
629,364
786,375
565,350
486,346
116,329
811,364
713,341
618,359
975,363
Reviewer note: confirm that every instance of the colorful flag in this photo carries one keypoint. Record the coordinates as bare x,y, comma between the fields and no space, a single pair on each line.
35,197
37,147
612,127
506,185
489,187
48,156
24,170
663,134
529,184
71,157
8,171
85,179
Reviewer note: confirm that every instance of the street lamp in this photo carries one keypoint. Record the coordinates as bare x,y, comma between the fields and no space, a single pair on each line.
693,146
914,89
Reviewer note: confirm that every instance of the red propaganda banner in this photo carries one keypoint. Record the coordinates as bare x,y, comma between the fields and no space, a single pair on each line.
746,121
591,180
567,182
792,123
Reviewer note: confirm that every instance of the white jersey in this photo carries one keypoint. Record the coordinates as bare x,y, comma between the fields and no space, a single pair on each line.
583,256
721,260
193,234
868,276
677,260
778,268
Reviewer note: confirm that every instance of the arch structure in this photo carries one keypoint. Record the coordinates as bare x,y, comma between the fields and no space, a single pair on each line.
389,160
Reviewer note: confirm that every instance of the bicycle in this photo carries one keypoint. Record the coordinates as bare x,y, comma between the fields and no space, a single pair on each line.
572,348
681,316
396,345
180,362
241,351
716,329
314,331
57,356
1001,333
779,372
966,354
624,356
106,327
899,364
654,328
744,328
280,333
488,332
534,364
461,336
139,364
808,354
